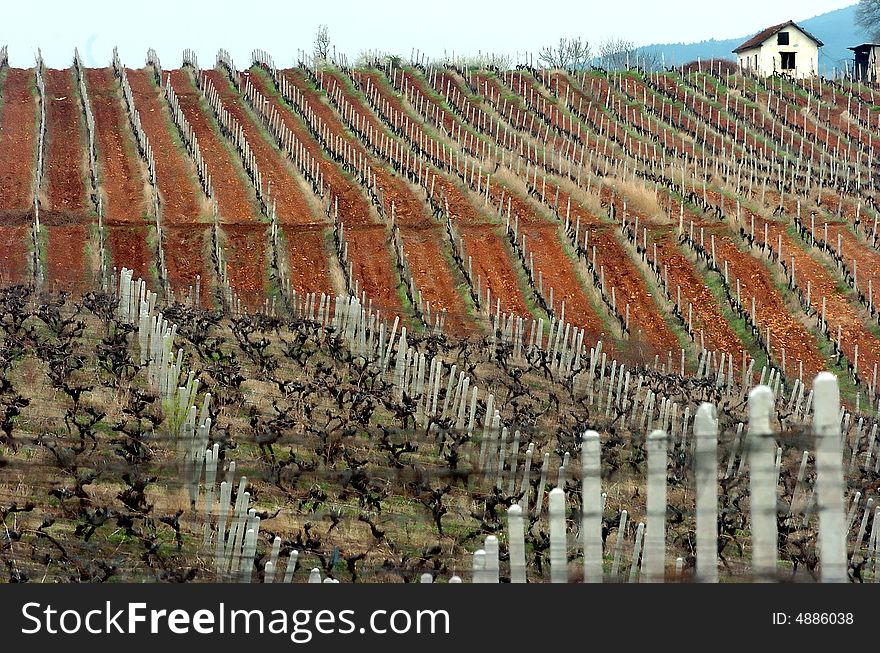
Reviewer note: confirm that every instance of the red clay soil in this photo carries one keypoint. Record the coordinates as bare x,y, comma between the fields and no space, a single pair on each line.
13,254
647,323
461,209
66,215
422,242
707,315
291,205
292,208
508,281
178,186
867,260
491,263
681,273
433,278
307,258
306,254
236,202
184,248
366,245
422,236
785,330
756,281
543,240
245,247
558,272
66,258
65,162
18,146
645,315
417,91
180,194
481,246
122,180
482,242
129,248
235,198
184,258
838,310
354,208
643,311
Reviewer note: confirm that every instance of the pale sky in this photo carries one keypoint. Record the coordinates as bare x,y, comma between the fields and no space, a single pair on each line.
462,26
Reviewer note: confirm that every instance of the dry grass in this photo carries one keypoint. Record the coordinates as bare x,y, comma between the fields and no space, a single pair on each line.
641,201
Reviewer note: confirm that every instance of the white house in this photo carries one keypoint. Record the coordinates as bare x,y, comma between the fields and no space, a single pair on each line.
784,48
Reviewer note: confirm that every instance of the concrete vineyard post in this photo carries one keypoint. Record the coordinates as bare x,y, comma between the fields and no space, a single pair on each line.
762,483
829,479
211,460
653,566
558,546
591,502
637,552
618,545
863,525
491,561
291,566
525,488
706,442
516,544
273,561
479,566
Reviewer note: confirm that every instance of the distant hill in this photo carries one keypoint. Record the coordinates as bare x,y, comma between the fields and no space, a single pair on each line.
836,29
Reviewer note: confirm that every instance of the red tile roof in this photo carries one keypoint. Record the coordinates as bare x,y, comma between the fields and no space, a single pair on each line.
763,35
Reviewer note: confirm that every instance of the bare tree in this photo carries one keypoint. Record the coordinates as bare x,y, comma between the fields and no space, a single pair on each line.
617,53
322,44
621,54
573,53
649,59
366,59
483,60
868,17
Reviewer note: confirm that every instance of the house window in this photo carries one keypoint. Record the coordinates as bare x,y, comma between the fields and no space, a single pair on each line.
782,39
787,60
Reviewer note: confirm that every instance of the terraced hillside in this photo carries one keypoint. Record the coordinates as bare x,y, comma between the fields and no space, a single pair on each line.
632,204
341,248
